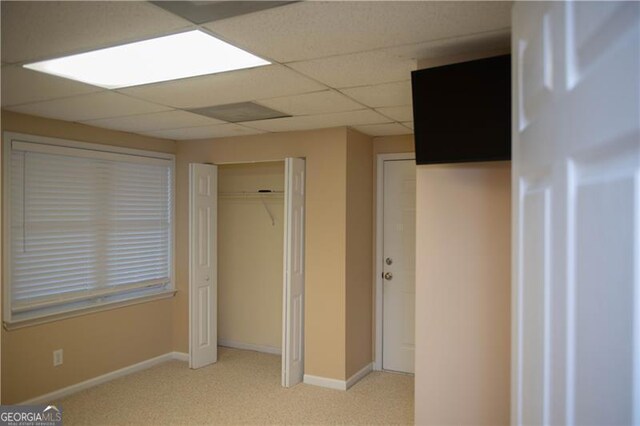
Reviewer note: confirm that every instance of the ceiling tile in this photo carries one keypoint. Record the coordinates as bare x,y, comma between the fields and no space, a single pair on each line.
365,49
390,129
21,86
312,103
89,107
464,45
218,131
359,69
382,95
309,30
226,88
306,122
155,121
33,30
399,113
394,64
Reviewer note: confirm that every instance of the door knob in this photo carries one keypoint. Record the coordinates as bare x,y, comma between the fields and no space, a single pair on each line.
388,261
388,276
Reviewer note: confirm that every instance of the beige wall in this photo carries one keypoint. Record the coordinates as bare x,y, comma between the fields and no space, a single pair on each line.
359,267
21,123
392,144
338,298
93,344
463,294
326,168
250,255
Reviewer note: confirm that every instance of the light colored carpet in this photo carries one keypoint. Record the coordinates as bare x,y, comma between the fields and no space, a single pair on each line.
243,387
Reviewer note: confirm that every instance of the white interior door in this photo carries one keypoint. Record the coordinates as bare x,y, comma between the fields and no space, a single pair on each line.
203,330
398,268
293,294
576,213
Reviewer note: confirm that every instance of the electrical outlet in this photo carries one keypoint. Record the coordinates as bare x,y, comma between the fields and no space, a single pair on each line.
57,357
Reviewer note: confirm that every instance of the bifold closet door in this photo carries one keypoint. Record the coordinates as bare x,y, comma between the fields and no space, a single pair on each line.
293,294
203,273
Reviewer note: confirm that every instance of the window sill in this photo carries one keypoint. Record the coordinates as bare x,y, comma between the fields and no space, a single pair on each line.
86,311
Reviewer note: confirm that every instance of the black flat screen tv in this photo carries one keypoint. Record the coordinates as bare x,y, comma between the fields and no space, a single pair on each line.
462,112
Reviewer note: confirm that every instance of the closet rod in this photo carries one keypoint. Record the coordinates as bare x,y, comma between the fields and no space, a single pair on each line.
251,193
260,193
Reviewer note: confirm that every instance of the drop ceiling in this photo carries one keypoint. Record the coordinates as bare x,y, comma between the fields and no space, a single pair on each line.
334,63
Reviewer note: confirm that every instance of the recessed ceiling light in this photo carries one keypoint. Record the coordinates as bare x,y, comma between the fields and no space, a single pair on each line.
165,58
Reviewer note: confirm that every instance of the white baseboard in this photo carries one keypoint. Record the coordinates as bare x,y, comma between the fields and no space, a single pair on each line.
61,393
359,375
326,382
180,356
249,346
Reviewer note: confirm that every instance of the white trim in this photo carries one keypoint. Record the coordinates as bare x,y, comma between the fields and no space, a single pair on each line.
381,158
342,385
91,146
249,346
23,146
190,279
75,388
180,356
359,375
325,382
6,226
102,292
167,294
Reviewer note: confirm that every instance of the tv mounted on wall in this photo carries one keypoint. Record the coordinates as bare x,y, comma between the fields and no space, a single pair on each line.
462,112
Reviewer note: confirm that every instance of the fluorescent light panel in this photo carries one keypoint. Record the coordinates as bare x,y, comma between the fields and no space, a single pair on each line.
165,58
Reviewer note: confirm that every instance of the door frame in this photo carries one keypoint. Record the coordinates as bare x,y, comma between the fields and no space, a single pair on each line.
380,159
284,281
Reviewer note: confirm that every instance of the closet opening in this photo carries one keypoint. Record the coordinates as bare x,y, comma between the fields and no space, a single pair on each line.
250,255
246,258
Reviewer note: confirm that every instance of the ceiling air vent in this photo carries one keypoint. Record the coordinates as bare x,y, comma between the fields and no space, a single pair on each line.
236,113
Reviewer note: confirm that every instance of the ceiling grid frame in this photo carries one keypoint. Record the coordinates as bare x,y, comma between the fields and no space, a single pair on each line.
382,99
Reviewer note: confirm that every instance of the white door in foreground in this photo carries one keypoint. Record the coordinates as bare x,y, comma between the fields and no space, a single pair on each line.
293,294
576,213
203,328
398,268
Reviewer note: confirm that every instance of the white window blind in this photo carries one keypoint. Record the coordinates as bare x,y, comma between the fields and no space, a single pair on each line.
87,228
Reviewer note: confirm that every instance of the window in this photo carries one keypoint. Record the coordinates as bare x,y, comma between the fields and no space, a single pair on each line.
85,226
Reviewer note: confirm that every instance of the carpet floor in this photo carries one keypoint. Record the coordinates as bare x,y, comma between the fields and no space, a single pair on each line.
243,387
